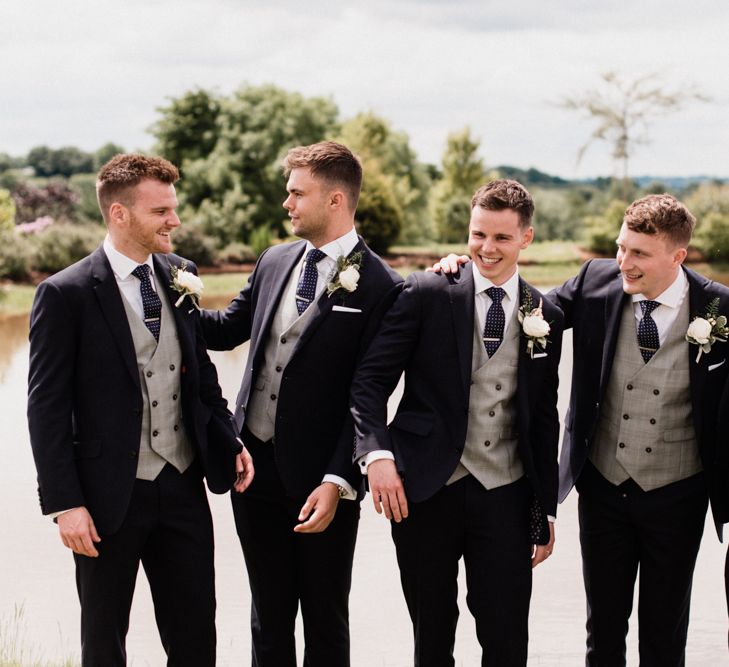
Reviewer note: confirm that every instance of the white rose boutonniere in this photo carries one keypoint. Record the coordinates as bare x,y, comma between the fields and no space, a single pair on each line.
533,325
186,283
346,275
707,330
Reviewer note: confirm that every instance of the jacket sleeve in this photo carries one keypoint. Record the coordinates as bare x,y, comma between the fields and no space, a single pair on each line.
50,400
567,296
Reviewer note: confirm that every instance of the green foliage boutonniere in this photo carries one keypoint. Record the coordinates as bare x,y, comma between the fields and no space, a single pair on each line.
533,325
705,331
346,275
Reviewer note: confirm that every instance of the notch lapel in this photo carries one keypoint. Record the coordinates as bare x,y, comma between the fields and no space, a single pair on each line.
112,308
699,299
461,293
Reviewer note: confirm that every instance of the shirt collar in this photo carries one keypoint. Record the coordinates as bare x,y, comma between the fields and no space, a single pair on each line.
672,295
340,247
511,286
121,265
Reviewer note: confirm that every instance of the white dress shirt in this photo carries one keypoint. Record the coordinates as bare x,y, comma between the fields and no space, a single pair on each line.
670,299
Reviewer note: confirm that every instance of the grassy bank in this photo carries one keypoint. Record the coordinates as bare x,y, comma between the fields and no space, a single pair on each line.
14,651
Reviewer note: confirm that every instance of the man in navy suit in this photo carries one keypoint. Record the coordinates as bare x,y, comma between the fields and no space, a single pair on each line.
310,310
125,417
468,466
645,438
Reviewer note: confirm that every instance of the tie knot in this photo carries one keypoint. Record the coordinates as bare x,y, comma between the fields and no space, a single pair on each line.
496,294
141,272
314,256
648,306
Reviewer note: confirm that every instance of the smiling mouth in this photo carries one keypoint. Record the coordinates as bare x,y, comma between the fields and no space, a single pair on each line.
489,260
632,276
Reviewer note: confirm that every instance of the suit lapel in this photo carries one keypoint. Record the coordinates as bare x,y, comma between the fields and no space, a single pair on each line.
461,292
525,362
286,264
699,299
112,308
614,302
182,315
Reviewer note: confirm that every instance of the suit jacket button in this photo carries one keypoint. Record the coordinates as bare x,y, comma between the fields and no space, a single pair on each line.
133,454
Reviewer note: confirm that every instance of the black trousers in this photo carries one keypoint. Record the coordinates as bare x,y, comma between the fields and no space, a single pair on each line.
624,529
169,529
490,530
287,569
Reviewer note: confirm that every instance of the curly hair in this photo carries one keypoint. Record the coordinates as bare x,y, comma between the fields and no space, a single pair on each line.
661,214
504,193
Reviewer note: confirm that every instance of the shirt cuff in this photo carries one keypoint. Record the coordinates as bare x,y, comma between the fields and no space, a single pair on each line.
339,481
551,519
55,515
376,455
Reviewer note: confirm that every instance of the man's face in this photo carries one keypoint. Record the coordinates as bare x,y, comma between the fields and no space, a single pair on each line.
648,263
150,220
307,204
495,239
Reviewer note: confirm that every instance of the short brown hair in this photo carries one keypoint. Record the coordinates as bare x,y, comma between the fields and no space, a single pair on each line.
117,179
504,193
331,162
661,214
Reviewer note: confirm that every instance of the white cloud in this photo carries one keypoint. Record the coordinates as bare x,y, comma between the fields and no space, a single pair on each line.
84,73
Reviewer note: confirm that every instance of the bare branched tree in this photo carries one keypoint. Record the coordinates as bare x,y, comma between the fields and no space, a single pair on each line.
624,109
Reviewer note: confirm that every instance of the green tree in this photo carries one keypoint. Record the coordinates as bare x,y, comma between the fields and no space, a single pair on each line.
232,180
105,153
389,153
64,161
463,173
188,129
379,215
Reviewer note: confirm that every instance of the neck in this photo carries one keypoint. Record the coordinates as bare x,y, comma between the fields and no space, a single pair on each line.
332,233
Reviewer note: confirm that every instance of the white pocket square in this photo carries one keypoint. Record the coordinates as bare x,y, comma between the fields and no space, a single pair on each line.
715,366
344,309
539,355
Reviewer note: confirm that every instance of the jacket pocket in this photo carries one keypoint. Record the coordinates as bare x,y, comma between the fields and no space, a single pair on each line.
679,434
413,422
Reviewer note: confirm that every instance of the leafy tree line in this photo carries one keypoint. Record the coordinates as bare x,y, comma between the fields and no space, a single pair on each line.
229,149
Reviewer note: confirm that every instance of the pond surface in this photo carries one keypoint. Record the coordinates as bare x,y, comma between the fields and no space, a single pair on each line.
37,571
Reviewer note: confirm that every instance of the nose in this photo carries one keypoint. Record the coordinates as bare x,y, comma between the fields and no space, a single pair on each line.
287,203
174,220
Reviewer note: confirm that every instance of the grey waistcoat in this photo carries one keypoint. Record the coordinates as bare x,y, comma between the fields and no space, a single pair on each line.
490,452
286,328
646,429
163,432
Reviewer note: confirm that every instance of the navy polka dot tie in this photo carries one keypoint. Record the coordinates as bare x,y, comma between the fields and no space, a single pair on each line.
306,289
150,300
493,331
648,340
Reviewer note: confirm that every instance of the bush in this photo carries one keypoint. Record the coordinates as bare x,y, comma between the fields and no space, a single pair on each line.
712,238
379,217
7,211
16,253
602,230
237,253
190,242
61,245
260,239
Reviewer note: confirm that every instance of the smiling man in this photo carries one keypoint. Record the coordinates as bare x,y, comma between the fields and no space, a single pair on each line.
641,441
126,417
468,466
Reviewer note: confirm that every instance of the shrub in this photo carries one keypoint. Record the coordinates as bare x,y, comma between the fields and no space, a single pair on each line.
16,253
712,237
61,245
190,242
260,239
602,230
7,211
237,253
379,217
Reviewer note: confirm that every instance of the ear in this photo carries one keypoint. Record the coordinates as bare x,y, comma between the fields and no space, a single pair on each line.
527,238
337,199
680,255
118,213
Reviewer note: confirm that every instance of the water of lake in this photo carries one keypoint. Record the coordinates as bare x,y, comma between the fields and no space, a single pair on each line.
37,571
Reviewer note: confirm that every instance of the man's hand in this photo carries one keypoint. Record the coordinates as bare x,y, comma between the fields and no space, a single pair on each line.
244,471
544,551
387,490
318,511
450,264
77,531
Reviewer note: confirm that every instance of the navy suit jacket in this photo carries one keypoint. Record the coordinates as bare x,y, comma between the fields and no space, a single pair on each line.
428,333
313,431
85,399
592,303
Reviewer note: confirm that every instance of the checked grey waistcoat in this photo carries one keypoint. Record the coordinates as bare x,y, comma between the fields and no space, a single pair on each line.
646,429
286,329
163,432
490,452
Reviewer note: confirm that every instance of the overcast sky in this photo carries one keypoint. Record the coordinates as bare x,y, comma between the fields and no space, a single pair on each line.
76,72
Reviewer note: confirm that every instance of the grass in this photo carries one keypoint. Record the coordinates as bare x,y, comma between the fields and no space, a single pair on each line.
13,649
